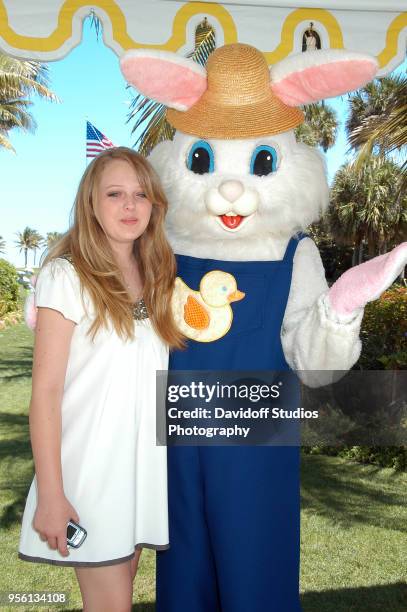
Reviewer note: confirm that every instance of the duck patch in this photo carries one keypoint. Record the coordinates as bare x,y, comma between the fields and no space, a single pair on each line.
206,315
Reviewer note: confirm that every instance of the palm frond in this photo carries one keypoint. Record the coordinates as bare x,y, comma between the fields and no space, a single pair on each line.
320,126
205,43
95,23
19,79
29,238
380,104
387,132
5,143
22,77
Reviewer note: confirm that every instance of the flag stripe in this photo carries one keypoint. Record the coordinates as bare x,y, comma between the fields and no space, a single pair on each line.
96,142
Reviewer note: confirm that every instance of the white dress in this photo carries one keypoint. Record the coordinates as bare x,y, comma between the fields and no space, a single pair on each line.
114,475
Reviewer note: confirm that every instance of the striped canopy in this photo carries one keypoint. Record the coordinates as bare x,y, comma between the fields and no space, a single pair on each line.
47,30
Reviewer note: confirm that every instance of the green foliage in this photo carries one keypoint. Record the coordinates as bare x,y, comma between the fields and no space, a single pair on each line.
337,258
366,206
385,456
384,335
390,456
320,126
9,289
384,332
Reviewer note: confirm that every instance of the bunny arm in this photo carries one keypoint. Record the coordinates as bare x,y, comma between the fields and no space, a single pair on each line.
317,342
367,282
320,331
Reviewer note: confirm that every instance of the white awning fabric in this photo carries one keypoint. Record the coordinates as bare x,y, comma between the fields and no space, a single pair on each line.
48,30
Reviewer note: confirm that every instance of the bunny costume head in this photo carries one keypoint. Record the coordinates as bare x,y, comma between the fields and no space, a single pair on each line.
237,181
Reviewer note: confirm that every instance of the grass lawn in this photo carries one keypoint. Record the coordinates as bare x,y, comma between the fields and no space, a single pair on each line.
354,518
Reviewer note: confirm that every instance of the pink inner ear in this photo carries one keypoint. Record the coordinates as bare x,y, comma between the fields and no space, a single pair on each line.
324,81
170,83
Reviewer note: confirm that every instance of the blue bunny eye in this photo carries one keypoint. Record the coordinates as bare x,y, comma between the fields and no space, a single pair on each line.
224,288
264,160
201,158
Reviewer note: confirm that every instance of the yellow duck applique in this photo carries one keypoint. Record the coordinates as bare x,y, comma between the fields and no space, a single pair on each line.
206,315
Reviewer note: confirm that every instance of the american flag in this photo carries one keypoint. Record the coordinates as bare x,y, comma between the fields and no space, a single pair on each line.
96,141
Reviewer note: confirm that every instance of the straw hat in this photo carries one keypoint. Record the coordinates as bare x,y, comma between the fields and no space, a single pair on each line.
239,102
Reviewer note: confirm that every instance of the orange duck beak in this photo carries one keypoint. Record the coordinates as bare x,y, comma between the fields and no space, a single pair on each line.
236,296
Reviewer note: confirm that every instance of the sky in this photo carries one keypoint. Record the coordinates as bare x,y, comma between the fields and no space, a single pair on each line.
38,183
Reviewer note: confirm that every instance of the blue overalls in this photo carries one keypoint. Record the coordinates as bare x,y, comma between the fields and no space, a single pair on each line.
235,510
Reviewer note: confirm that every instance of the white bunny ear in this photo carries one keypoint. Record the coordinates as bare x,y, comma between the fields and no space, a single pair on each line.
315,75
165,77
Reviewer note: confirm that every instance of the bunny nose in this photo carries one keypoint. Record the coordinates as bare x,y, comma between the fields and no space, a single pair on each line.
231,190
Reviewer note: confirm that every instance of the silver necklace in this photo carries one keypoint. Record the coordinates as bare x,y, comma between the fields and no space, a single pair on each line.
140,310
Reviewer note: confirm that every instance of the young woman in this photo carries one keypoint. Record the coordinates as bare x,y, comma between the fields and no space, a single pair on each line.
104,327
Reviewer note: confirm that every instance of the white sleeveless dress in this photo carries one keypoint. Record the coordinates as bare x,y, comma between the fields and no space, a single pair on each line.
114,475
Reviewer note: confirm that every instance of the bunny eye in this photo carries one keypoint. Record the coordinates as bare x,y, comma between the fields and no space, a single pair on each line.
264,160
201,158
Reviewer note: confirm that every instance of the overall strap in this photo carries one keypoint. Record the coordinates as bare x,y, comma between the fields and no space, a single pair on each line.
291,247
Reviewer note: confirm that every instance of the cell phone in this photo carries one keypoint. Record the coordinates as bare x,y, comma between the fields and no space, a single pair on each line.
75,534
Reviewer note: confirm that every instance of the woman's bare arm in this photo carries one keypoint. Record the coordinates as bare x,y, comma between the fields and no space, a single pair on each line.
51,349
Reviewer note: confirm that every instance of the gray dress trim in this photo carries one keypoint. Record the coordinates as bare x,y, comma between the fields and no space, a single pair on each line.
92,563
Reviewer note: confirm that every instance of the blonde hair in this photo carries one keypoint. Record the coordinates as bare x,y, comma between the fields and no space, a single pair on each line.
88,247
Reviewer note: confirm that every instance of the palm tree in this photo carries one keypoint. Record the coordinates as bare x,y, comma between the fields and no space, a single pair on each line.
19,79
2,245
373,100
149,117
28,240
52,238
319,127
364,206
37,242
378,120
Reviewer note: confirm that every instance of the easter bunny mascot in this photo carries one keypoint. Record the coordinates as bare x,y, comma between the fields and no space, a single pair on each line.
241,191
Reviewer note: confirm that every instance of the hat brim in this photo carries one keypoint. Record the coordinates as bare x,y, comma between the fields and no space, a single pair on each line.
208,119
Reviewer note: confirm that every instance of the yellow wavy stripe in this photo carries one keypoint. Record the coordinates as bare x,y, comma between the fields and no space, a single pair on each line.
63,31
392,37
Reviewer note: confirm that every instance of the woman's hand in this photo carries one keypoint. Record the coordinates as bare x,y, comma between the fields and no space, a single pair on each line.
50,520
